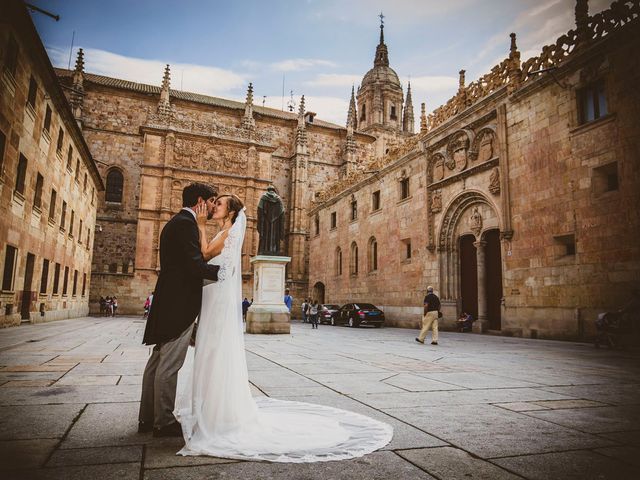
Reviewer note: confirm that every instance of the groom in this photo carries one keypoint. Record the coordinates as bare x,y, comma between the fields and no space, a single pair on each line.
176,304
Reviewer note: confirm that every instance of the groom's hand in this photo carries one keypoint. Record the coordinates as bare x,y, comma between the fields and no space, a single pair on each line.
201,214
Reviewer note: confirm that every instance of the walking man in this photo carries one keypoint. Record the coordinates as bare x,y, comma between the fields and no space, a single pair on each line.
430,318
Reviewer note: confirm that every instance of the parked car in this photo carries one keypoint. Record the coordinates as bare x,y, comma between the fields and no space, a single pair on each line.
328,312
356,314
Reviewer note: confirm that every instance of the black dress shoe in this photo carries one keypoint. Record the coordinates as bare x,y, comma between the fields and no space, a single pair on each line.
419,341
172,430
145,427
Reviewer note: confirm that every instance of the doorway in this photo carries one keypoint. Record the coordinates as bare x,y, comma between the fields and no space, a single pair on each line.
468,275
318,292
493,262
25,307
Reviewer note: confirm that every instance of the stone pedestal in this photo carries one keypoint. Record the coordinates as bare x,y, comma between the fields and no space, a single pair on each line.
268,313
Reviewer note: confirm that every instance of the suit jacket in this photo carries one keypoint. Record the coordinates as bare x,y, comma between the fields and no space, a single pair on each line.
178,294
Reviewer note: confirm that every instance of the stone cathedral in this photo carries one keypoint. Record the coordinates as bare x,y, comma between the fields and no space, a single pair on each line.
517,199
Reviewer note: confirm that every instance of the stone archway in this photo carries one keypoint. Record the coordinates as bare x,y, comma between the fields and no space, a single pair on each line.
467,219
318,292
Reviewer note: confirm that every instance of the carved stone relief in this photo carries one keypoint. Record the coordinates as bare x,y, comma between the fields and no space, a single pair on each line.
458,150
475,222
436,201
494,181
438,168
209,156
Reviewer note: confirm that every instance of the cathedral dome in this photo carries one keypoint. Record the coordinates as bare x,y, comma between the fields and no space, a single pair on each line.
381,74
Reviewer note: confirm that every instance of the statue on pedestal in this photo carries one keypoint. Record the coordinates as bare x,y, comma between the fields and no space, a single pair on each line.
270,223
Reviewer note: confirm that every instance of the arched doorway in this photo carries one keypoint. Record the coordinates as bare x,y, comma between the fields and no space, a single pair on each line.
493,266
468,275
318,292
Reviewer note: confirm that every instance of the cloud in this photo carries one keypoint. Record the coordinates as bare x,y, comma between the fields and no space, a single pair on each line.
328,108
297,64
433,84
184,76
334,80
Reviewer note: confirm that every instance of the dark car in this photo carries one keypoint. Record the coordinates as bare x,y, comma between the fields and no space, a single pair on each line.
356,314
328,312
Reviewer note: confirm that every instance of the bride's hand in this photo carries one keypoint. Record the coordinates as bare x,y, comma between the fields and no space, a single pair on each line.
201,214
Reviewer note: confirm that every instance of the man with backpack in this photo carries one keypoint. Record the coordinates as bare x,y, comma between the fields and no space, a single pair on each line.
430,318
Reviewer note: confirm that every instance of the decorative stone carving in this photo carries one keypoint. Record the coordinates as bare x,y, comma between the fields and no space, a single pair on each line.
457,150
207,156
475,222
485,150
494,181
436,201
438,168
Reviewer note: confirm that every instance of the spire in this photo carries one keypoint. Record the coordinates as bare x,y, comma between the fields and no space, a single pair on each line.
164,105
514,71
382,54
423,118
582,22
77,94
248,121
301,132
352,117
407,117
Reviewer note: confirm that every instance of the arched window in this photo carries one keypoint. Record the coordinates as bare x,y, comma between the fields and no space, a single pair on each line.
115,182
354,259
373,254
316,221
338,261
363,113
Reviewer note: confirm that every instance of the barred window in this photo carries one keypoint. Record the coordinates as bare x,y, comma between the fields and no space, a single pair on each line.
115,183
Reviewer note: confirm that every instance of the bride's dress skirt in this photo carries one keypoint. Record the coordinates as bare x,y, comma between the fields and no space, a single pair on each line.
220,417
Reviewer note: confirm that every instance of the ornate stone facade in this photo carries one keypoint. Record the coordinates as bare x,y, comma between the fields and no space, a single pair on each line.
48,184
518,197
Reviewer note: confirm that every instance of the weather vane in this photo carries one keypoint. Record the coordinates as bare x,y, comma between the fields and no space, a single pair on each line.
381,18
291,104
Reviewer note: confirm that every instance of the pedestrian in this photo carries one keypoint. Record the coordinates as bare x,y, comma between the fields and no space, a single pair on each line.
245,307
107,306
430,318
103,305
288,299
114,308
147,305
465,322
313,314
304,310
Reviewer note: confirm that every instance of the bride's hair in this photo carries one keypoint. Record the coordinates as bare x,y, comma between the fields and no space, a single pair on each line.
234,204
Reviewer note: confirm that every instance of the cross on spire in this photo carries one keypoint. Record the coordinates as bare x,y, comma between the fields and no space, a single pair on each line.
381,19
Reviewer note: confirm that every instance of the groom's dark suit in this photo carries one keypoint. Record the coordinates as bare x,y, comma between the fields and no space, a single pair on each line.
178,292
176,304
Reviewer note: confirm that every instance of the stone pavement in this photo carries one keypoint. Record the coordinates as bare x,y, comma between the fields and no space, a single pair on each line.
473,407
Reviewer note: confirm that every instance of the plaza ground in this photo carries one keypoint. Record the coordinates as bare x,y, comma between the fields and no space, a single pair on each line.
475,406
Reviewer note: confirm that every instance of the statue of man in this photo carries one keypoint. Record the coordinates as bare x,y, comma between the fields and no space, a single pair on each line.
270,223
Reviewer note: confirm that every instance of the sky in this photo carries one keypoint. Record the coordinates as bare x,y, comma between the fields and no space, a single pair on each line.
317,48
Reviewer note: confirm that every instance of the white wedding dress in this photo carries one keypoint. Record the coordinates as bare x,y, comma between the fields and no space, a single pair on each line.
214,404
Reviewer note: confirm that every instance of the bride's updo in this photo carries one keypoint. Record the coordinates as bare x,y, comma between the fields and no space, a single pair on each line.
234,204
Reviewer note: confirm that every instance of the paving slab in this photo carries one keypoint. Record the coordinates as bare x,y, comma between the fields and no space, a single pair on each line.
164,456
631,437
89,380
624,394
554,404
69,394
417,383
31,422
377,466
348,383
96,456
120,471
630,455
20,454
578,465
594,419
455,464
477,380
524,406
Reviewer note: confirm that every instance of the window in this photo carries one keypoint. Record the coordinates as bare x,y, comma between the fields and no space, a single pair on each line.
3,140
21,175
404,188
37,196
33,93
363,113
354,209
125,267
115,182
407,249
373,254
73,217
316,222
338,261
77,177
375,200
56,278
113,268
60,142
74,291
593,102
84,187
88,236
605,178
63,216
52,205
334,220
11,56
69,157
9,267
354,259
393,115
65,281
44,279
566,245
80,232
47,120
84,284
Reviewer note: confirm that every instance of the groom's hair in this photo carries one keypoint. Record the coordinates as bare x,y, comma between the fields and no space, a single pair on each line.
192,191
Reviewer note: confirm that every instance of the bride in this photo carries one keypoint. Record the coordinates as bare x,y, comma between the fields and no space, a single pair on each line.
214,405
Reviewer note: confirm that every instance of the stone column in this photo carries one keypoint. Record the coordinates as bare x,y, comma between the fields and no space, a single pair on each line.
481,323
